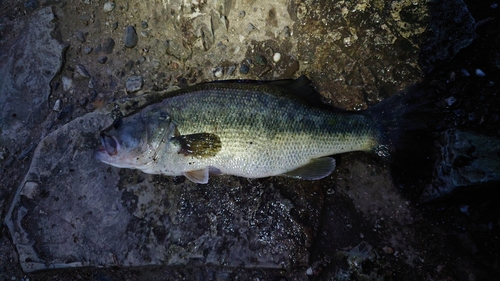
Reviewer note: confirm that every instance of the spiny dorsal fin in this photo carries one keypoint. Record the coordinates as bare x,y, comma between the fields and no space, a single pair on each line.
199,145
300,90
314,170
198,176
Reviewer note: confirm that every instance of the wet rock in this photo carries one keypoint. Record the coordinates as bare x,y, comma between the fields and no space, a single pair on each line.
130,38
109,6
467,159
81,72
28,65
147,219
107,45
80,36
134,83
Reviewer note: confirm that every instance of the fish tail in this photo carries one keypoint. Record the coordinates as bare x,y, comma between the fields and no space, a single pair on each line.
405,139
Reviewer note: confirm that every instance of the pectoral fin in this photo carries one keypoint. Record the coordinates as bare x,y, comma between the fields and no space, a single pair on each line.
316,169
197,176
199,145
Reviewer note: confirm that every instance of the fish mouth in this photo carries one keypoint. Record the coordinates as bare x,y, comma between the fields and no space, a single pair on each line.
110,144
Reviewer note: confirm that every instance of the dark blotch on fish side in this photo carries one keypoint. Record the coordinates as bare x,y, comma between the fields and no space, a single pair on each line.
130,37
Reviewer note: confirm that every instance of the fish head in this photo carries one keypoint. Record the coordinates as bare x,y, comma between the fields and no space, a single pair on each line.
134,141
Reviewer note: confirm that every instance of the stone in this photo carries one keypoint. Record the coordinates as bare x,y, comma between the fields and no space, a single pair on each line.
80,36
81,72
134,83
107,45
131,37
465,160
109,6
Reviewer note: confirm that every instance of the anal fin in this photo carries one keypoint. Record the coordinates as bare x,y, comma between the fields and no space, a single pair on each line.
314,170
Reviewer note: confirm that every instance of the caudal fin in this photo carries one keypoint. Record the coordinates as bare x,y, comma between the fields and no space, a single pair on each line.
406,141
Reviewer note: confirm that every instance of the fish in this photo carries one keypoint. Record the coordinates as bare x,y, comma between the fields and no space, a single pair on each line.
246,128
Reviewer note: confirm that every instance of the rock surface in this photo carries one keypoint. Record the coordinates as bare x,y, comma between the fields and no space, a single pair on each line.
65,209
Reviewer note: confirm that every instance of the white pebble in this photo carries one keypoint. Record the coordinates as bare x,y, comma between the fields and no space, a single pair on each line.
309,271
218,72
276,57
57,105
67,83
480,73
109,6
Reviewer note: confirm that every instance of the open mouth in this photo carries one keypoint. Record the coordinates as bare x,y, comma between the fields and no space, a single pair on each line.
109,143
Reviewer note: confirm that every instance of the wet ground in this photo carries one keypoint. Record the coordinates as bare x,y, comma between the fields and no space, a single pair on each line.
361,223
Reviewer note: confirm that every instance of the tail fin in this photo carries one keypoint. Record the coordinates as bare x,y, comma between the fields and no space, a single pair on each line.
406,141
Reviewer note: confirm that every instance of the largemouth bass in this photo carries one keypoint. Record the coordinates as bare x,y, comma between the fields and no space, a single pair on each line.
249,129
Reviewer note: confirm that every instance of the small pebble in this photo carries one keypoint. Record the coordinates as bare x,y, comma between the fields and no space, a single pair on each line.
130,37
464,209
144,33
109,6
276,57
388,250
107,45
309,271
218,72
57,105
87,50
480,73
260,60
134,83
494,6
114,26
230,70
81,72
83,102
287,31
102,59
450,101
465,72
244,69
67,83
241,14
80,36
65,112
144,24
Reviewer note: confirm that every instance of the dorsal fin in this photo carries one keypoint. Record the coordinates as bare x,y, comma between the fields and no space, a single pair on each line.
300,90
